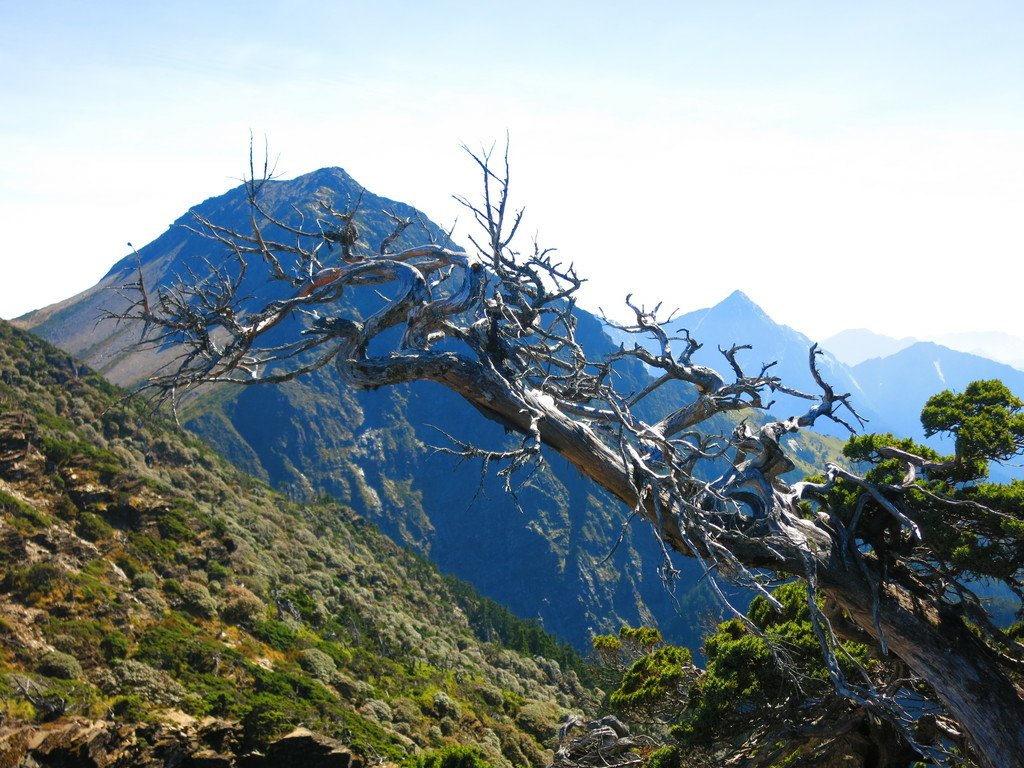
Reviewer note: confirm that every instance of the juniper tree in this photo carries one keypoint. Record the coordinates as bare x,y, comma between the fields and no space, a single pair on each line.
887,556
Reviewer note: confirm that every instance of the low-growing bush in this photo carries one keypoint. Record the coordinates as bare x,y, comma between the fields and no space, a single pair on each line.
218,571
21,514
448,756
318,664
114,646
241,607
666,757
36,582
133,677
130,709
274,633
145,580
195,598
59,664
267,716
92,527
176,646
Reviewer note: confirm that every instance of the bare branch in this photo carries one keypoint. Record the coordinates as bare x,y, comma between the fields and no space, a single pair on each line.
499,327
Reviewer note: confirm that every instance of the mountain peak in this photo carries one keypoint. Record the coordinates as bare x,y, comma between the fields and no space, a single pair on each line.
738,303
737,297
329,174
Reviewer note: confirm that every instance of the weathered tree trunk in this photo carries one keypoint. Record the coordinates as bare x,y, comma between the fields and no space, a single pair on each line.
512,316
937,647
945,654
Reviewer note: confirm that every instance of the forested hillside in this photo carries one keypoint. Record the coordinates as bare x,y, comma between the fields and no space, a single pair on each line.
143,578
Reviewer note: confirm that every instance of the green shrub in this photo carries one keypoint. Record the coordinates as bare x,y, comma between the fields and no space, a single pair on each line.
438,704
93,527
173,525
80,638
23,516
130,709
60,665
153,548
666,757
134,678
173,645
218,571
195,599
654,679
341,655
275,633
318,664
37,581
307,607
144,580
267,716
114,646
448,756
129,565
241,607
62,452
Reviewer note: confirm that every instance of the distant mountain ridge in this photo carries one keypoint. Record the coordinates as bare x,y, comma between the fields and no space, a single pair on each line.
855,346
995,345
859,344
889,390
902,382
738,320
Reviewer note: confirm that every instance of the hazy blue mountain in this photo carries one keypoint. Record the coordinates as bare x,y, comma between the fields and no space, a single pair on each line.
995,345
857,345
553,553
900,384
738,320
889,389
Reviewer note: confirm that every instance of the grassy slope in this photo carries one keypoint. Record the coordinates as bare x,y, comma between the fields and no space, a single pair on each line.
140,572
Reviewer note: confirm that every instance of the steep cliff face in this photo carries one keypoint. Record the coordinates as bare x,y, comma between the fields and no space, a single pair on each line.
145,580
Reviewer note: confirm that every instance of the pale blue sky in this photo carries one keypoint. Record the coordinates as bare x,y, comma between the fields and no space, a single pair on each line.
826,158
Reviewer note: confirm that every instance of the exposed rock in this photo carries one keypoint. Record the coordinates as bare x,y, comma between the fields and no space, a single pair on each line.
76,743
304,749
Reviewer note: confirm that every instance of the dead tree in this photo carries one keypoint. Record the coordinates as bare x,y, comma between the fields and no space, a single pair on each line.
497,326
601,743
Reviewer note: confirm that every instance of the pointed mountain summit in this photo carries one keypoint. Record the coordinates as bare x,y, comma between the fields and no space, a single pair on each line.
181,252
736,305
888,390
738,320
